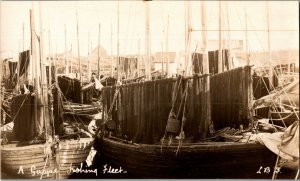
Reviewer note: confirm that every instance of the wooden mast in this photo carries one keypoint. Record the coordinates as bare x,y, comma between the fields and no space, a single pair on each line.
269,51
89,62
118,45
1,94
167,50
49,60
78,50
35,74
71,55
246,44
220,58
204,39
147,41
44,116
229,40
99,53
111,53
187,36
162,57
66,53
139,58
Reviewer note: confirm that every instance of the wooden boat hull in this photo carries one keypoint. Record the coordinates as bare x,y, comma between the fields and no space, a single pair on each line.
29,161
194,160
26,162
72,154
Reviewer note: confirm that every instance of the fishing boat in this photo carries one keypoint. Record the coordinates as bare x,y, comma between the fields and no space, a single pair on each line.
144,151
198,126
30,161
40,153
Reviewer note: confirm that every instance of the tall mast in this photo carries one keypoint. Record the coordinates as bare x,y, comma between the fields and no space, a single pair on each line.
220,62
111,53
139,58
78,48
89,63
118,44
66,53
44,116
229,39
246,44
99,53
167,49
269,51
35,74
49,59
88,49
162,57
1,93
23,36
71,62
204,38
147,40
187,36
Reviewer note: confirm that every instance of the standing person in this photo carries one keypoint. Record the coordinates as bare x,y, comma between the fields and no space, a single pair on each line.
98,86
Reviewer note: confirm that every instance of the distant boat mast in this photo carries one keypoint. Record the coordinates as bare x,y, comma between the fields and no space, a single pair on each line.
78,48
147,41
99,52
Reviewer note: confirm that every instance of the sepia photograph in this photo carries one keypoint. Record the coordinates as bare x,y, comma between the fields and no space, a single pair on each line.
149,89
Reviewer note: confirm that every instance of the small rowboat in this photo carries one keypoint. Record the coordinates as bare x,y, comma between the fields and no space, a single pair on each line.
30,161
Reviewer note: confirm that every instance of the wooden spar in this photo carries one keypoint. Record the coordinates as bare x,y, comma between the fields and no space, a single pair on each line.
204,38
44,116
99,52
118,45
89,62
246,31
220,59
1,93
229,40
289,65
66,53
139,58
88,49
50,62
128,80
269,51
18,65
35,74
187,36
173,78
111,54
23,36
147,40
78,51
162,58
71,55
167,50
80,77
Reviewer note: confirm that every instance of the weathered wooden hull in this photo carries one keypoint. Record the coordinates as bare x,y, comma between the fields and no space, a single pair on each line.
26,161
30,162
194,160
73,154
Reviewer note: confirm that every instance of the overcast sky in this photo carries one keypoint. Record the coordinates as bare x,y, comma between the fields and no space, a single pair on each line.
284,24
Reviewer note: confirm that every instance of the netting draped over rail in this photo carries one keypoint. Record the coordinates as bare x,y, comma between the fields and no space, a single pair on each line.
142,109
231,97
